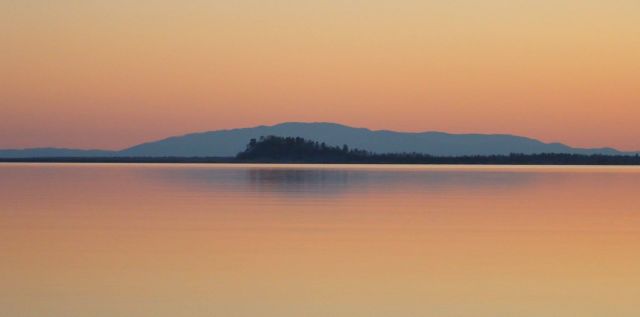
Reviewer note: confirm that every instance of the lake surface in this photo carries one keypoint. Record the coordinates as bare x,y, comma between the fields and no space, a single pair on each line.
340,241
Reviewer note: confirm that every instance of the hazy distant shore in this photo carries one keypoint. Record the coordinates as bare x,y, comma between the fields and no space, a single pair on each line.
288,150
495,160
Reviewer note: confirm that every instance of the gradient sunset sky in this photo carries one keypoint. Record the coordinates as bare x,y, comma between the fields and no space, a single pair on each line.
110,74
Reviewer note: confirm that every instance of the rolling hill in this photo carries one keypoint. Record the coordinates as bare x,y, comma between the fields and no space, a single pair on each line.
226,143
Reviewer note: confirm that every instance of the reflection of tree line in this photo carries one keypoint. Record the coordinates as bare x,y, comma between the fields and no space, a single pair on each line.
300,180
322,181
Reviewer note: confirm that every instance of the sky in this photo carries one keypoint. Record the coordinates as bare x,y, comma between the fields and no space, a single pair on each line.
111,74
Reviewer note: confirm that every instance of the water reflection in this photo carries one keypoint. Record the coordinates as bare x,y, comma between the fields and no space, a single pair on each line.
285,241
301,181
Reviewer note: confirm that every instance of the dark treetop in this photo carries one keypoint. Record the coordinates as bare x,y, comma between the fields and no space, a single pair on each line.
276,149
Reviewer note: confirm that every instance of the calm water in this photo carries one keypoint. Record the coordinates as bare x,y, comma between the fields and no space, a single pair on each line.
339,241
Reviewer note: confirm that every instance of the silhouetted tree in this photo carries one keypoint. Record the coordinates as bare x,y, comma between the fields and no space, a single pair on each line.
297,149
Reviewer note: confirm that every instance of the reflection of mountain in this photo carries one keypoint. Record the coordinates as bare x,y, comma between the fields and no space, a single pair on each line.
239,179
299,181
229,142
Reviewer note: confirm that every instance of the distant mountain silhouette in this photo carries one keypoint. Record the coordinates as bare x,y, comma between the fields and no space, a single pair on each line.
54,152
227,143
230,142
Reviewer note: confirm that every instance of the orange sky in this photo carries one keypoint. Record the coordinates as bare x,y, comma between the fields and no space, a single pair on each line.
110,74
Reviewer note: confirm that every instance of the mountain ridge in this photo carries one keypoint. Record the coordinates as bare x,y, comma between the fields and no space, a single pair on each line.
229,142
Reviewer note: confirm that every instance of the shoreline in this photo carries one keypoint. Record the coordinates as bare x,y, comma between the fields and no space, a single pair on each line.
479,161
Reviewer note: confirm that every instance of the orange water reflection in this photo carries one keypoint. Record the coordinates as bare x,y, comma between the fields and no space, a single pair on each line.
199,240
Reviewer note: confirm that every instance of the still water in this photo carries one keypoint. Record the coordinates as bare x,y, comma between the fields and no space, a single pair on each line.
303,240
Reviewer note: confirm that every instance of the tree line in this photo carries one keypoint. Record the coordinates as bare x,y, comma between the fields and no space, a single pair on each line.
277,149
